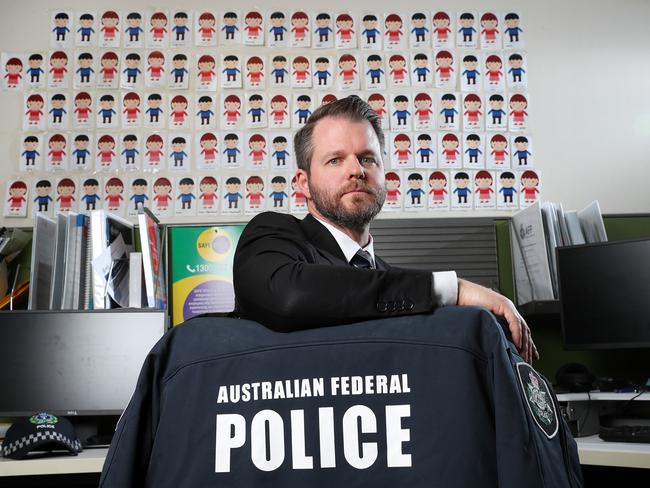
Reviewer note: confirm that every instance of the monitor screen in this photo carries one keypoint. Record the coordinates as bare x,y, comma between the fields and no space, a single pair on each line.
605,295
73,363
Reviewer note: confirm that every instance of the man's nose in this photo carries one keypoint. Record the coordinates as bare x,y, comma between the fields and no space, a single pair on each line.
354,167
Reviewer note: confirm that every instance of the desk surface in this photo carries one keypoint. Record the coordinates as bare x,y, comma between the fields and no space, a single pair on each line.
595,451
88,461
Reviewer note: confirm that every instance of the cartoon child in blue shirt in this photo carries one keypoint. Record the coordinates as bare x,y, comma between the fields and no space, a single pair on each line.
185,187
496,111
370,28
321,73
205,105
61,26
179,61
323,29
231,150
86,27
462,190
448,102
277,26
178,151
230,25
424,148
255,101
467,26
279,68
415,190
90,186
374,68
30,153
81,152
470,63
35,71
522,152
129,143
231,70
280,154
43,198
400,102
133,29
512,27
180,25
233,185
473,142
279,184
132,69
507,180
419,22
303,112
139,196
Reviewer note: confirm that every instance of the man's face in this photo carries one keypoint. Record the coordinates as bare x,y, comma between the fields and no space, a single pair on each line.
345,184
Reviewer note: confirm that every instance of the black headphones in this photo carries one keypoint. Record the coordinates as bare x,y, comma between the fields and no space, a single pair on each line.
575,377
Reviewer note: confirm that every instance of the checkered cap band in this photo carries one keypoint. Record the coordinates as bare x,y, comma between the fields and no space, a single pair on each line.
41,437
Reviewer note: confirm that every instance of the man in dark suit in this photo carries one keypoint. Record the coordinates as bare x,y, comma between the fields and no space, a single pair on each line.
291,274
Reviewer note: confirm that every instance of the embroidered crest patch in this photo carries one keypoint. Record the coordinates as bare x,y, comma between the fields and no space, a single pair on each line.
538,398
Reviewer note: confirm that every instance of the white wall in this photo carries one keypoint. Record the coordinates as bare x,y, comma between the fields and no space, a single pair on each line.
589,86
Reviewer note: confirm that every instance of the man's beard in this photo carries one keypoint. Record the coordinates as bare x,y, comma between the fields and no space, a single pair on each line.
330,206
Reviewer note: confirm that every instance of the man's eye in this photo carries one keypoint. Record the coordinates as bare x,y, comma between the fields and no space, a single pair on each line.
367,160
333,161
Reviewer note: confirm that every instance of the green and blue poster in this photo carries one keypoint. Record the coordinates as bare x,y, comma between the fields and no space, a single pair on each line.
201,269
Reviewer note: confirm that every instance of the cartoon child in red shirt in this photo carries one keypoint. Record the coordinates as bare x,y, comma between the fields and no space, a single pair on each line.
392,189
232,104
154,144
529,183
114,189
483,181
398,71
208,195
493,72
58,70
450,145
345,28
105,153
162,188
299,198
299,29
34,111
254,186
158,29
441,29
347,65
156,68
489,33
65,190
108,70
423,112
499,143
472,104
278,109
14,68
518,105
438,184
57,144
206,28
253,21
444,60
300,70
208,144
17,192
393,31
82,103
255,67
206,73
109,22
131,107
257,143
178,112
402,143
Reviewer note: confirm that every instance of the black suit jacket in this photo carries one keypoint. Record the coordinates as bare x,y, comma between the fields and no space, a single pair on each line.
291,274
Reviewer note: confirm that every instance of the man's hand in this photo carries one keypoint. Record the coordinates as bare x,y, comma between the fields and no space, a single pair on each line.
472,294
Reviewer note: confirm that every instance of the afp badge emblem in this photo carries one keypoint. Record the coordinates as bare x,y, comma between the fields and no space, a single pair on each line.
539,400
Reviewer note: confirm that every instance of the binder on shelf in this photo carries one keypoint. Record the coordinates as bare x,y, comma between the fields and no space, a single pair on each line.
60,262
135,280
151,247
42,263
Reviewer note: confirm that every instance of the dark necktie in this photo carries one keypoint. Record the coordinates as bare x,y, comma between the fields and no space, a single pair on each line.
362,259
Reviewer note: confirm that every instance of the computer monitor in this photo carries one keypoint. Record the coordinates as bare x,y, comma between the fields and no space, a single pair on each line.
73,363
605,294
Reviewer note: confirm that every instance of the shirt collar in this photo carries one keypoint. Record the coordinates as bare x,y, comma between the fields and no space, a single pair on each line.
348,246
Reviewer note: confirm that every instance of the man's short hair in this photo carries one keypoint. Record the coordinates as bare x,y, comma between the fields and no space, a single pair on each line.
352,108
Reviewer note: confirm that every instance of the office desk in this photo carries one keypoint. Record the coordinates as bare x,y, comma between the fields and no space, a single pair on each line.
88,461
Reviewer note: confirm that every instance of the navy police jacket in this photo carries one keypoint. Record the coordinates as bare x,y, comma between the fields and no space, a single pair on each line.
438,400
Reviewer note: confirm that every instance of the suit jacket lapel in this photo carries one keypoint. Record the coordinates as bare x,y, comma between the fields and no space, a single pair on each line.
321,238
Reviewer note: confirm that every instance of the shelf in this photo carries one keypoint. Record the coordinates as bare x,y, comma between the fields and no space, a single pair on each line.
593,450
88,461
602,396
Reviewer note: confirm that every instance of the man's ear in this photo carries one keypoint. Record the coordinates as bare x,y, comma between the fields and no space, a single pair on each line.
302,182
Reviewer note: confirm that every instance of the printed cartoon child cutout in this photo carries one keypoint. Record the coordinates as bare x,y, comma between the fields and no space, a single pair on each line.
231,152
371,35
178,157
162,197
86,32
205,33
448,118
470,77
34,116
106,158
130,157
393,200
299,34
472,112
394,39
346,34
415,198
180,34
253,29
438,195
61,35
298,200
155,74
445,71
448,154
34,73
254,78
206,75
301,72
185,199
207,151
278,34
154,115
157,35
131,112
58,74
13,73
108,75
91,198
348,75
257,153
529,192
107,117
233,200
462,197
401,153
178,114
419,30
255,199
467,35
256,116
375,75
84,71
31,153
205,117
82,113
473,151
279,76
484,194
517,76
425,156
522,157
442,33
57,156
154,151
518,116
507,190
114,195
278,114
423,115
398,73
325,98
109,31
81,157
16,199
494,79
512,33
401,113
322,33
421,74
378,104
134,34
490,32
208,200
179,76
58,112
231,116
303,109
322,77
230,28
496,117
138,195
498,156
278,198
131,76
231,72
43,201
